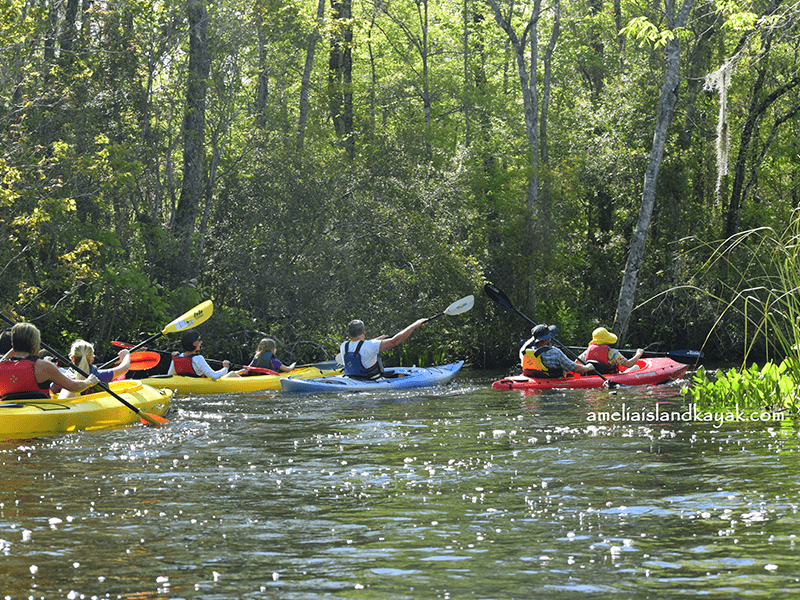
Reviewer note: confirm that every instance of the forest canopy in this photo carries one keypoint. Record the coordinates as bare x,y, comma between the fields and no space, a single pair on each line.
305,163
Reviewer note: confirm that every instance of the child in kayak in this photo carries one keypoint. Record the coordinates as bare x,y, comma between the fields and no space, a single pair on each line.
607,360
265,359
82,355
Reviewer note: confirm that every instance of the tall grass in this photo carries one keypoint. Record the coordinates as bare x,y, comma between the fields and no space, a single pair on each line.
756,277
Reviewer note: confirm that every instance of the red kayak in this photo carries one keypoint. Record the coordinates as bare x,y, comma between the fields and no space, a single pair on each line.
648,371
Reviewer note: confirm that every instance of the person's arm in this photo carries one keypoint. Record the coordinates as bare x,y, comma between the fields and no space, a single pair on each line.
628,363
44,370
124,364
568,365
286,369
402,336
199,364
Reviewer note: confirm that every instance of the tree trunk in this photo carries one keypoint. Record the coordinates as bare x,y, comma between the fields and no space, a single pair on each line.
192,191
340,75
305,83
537,215
666,108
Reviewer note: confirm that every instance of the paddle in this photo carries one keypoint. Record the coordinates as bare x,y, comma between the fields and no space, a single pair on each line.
456,308
322,365
498,296
192,318
145,417
686,357
141,361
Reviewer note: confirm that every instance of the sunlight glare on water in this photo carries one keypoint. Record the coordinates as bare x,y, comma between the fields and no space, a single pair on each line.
462,491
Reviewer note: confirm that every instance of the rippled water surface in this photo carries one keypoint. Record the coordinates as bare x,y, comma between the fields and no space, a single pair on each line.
459,492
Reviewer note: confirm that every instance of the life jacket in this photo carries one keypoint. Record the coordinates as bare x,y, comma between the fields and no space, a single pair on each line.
264,361
597,354
532,365
353,367
18,379
183,365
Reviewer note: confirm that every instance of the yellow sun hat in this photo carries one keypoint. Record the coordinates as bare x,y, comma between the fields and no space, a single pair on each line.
601,335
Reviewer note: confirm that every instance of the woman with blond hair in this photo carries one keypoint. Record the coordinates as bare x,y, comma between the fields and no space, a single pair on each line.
82,355
24,375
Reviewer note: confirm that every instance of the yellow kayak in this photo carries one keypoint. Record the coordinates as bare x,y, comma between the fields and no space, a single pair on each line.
184,384
23,419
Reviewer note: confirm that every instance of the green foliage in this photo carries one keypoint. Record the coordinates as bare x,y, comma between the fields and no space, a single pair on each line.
294,242
769,387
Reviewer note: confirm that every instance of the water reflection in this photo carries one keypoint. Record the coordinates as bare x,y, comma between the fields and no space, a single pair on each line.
463,491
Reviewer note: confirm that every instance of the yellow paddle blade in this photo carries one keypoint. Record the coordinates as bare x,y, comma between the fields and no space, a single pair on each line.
193,318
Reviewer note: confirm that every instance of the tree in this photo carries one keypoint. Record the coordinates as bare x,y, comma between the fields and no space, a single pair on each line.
194,171
664,112
340,74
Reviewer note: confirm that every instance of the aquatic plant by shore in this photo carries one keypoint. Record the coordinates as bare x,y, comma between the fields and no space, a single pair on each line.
770,306
773,386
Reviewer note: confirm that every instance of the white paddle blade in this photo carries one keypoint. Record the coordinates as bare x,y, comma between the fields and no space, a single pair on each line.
193,318
460,306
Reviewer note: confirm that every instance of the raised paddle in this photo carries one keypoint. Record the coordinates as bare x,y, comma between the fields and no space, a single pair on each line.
456,308
145,417
192,318
496,294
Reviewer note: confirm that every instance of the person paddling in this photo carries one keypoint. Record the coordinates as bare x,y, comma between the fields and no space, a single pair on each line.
190,362
607,360
362,356
82,355
265,358
541,360
24,375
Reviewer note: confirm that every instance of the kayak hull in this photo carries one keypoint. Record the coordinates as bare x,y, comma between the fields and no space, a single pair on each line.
408,378
647,371
24,419
184,385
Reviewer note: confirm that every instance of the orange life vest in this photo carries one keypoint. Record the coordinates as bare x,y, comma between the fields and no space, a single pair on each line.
532,365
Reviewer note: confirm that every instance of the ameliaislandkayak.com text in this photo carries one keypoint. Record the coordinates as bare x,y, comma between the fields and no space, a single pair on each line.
689,414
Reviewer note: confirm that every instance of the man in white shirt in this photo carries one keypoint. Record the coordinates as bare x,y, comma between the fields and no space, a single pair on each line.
362,356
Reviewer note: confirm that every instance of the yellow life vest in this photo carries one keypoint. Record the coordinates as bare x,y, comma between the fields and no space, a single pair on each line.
531,360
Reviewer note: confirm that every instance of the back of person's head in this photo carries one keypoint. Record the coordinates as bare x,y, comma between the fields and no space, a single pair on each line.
5,341
355,328
266,345
82,354
188,339
25,337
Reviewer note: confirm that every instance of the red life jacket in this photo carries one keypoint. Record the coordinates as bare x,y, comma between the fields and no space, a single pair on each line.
183,365
598,353
17,377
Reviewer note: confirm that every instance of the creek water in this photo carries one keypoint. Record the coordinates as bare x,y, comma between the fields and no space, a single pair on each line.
455,492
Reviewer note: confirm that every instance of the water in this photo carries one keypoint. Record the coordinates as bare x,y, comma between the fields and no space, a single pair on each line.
460,492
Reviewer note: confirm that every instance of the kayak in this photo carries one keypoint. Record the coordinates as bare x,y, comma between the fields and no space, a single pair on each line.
404,378
647,371
23,419
186,384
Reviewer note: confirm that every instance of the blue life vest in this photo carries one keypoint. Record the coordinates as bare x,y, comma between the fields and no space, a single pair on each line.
353,367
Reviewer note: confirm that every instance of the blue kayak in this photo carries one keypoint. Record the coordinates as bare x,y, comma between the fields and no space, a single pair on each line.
404,378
